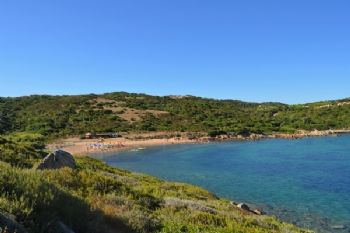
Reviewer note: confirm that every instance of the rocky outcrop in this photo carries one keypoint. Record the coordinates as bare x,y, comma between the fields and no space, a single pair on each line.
245,207
314,133
258,212
9,224
56,160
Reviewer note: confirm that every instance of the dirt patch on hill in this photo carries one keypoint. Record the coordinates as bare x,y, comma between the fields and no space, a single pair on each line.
334,105
126,113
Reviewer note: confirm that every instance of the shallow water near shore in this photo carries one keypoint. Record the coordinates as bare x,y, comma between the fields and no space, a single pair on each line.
305,181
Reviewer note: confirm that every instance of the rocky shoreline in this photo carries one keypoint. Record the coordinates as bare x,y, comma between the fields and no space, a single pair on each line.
298,135
314,133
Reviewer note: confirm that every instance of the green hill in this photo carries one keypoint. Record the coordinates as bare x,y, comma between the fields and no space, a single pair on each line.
67,115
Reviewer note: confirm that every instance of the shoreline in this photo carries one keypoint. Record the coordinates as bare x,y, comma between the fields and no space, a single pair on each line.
140,141
82,147
246,207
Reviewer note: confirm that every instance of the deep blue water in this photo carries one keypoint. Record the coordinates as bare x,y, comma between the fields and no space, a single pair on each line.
305,182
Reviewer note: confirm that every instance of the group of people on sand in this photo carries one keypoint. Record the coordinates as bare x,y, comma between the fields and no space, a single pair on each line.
102,146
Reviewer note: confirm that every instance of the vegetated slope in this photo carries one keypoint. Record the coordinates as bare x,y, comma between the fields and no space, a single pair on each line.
97,198
67,115
22,150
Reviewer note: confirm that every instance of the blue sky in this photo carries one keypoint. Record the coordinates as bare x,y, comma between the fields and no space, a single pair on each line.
289,51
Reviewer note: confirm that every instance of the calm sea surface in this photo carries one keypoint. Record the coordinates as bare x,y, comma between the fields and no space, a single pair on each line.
305,182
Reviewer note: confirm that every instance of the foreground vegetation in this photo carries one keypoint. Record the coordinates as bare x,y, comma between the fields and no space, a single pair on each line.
97,198
67,115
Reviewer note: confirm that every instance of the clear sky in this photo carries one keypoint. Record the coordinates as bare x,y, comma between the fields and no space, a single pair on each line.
290,51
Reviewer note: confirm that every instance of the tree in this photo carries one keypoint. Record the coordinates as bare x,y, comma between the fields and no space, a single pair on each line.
5,124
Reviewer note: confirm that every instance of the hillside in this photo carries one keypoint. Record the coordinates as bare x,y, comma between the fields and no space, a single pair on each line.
97,198
68,115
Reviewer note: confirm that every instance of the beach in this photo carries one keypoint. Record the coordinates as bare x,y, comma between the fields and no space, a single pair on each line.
140,141
79,147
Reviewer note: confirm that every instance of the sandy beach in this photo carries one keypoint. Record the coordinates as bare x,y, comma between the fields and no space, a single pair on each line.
139,141
80,147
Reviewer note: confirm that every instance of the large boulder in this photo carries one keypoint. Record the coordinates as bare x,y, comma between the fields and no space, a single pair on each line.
56,160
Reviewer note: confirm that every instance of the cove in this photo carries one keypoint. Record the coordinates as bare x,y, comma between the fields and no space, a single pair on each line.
305,182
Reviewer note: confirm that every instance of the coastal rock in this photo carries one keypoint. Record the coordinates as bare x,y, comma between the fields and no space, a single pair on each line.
9,223
258,212
243,207
56,160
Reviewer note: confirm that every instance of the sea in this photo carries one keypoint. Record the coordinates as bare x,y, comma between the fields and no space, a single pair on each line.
305,181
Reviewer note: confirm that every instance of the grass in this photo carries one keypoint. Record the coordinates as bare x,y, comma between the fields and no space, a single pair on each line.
99,198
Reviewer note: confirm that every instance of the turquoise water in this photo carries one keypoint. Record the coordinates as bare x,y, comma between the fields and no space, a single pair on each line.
305,182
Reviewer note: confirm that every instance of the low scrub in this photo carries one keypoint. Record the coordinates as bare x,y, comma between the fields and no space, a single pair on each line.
95,198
